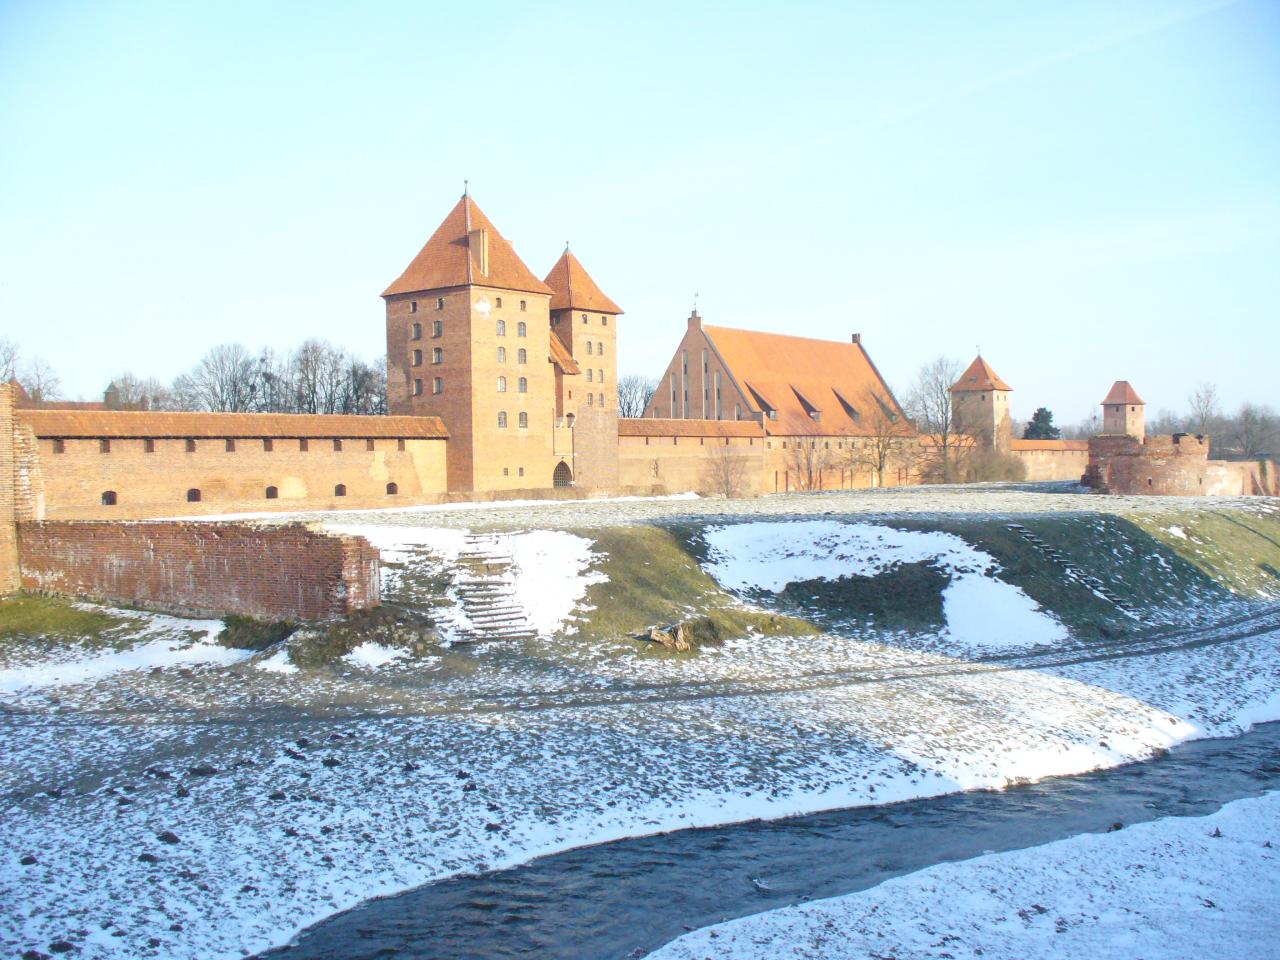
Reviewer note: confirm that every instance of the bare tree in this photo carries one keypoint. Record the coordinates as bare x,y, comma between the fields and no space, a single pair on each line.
727,471
128,391
1255,431
9,354
807,457
1204,408
890,437
634,394
224,381
930,403
39,380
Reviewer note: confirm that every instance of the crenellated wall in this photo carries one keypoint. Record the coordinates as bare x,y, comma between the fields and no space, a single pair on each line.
1173,465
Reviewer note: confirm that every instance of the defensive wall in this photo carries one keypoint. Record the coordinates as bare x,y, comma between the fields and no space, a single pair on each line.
1175,465
1047,460
202,569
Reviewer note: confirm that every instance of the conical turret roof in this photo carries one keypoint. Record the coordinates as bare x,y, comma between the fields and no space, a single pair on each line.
978,377
573,289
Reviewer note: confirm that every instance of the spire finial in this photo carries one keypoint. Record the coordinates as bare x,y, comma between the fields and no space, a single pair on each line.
466,188
566,246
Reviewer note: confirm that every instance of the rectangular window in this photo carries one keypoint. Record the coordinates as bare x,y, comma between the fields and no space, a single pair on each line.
416,332
439,303
400,445
437,386
673,394
104,446
268,445
437,328
706,386
522,306
413,306
417,388
368,444
417,358
59,446
303,445
191,445
337,446
437,355
230,445
148,446
719,405
524,422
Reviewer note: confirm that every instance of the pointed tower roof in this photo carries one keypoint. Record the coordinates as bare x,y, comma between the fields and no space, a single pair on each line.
979,376
466,248
573,288
1122,392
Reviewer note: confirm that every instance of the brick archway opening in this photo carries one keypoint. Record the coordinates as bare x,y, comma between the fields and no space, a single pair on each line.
562,476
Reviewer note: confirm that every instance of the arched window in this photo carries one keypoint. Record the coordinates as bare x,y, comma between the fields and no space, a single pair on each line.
562,476
522,385
272,493
591,399
340,490
502,384
522,355
600,349
521,329
437,355
193,495
589,348
392,489
108,498
602,400
502,354
417,331
502,419
524,420
502,328
522,306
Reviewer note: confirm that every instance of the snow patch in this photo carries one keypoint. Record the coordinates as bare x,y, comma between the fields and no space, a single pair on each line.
372,655
278,662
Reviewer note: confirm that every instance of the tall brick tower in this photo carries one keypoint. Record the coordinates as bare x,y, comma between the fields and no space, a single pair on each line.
1124,413
980,404
584,321
468,340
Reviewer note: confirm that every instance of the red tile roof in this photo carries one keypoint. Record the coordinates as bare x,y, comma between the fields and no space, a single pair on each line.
1029,445
659,427
1123,392
978,377
798,377
150,423
449,260
562,358
573,288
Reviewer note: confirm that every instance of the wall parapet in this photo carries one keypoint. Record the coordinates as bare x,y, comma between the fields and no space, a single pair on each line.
272,572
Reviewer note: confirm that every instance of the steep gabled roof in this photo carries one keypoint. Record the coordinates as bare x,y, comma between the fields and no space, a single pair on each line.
803,381
1122,392
466,249
562,358
151,423
573,288
978,377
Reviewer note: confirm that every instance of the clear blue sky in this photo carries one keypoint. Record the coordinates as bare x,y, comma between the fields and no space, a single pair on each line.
1090,191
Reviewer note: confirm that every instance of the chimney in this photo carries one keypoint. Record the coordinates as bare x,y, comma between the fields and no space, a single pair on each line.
857,338
695,321
478,241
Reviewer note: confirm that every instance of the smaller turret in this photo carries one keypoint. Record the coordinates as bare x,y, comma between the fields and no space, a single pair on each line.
980,405
1124,412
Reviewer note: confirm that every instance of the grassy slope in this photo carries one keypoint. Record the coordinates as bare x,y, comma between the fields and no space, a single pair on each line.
27,617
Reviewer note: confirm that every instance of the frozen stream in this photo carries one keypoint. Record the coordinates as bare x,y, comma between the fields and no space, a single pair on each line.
626,898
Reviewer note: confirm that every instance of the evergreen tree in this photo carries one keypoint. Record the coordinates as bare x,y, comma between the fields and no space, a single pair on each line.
1041,426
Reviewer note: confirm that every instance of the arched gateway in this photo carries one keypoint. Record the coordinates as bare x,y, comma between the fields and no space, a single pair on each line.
563,476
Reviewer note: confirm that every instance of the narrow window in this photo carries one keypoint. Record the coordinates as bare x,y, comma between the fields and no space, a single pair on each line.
600,348
502,384
303,445
417,331
59,446
437,355
673,393
108,498
502,354
589,348
229,445
502,419
104,446
368,444
522,471
499,299
522,355
193,495
392,489
340,490
191,445
524,420
337,445
437,328
502,328
522,385
413,307
437,386
506,471
591,398
604,321
522,306
148,446
268,445
417,358
400,445
599,376
522,329
439,303
417,388
584,318
602,401
590,374
272,493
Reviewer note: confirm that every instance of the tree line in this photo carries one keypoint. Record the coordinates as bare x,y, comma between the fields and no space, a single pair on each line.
316,377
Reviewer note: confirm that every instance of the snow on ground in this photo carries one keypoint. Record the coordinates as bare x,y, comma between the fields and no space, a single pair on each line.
1164,890
278,662
371,655
183,643
983,613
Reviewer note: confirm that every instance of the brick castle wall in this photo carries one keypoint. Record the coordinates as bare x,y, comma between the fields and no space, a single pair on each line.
202,569
1175,465
8,500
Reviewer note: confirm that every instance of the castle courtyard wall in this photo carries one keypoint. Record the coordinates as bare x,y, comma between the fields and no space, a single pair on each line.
1048,460
8,498
202,569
